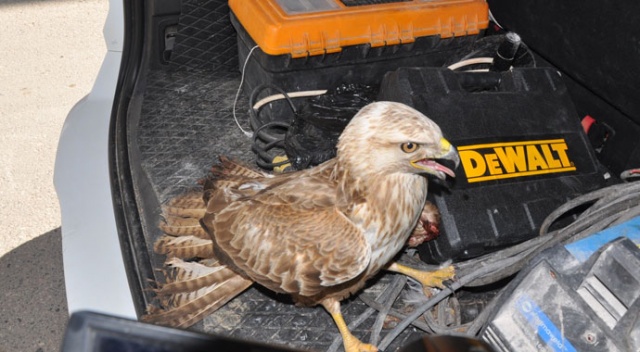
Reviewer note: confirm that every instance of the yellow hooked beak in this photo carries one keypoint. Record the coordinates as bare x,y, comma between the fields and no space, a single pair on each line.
447,152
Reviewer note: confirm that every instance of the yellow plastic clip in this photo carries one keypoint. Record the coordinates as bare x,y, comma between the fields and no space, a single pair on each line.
282,168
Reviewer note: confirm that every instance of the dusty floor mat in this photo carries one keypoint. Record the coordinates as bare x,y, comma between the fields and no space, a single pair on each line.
186,123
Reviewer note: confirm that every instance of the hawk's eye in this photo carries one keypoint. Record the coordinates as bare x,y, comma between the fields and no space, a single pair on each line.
409,147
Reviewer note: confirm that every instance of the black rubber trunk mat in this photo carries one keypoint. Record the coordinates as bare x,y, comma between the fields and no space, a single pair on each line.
186,122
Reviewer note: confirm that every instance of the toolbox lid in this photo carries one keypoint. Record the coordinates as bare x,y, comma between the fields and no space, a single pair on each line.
316,27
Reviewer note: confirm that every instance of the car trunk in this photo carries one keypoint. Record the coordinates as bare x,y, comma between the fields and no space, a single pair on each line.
173,118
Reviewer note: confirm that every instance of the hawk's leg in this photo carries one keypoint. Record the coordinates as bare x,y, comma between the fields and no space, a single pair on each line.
426,278
351,343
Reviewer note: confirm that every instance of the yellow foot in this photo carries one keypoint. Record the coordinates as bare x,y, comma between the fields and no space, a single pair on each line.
350,342
426,278
354,345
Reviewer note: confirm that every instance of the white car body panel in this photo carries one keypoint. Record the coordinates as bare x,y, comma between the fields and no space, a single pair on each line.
94,270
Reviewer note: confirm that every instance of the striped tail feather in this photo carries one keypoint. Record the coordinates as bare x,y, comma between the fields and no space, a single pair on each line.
194,290
184,247
183,226
181,216
192,212
189,204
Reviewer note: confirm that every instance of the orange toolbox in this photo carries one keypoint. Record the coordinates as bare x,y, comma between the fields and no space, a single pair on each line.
317,44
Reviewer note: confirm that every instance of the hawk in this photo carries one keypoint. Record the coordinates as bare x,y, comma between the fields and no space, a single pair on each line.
316,234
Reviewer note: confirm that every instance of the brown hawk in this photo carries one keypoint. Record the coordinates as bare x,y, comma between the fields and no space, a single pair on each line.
316,234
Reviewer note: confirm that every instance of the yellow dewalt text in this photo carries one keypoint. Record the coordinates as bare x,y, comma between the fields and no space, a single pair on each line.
494,161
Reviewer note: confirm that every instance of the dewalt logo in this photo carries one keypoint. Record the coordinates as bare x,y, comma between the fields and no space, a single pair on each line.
495,161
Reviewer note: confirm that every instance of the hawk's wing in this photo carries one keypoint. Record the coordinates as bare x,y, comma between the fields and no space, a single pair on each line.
289,239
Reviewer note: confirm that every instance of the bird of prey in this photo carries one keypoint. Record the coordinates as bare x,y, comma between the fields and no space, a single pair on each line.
316,234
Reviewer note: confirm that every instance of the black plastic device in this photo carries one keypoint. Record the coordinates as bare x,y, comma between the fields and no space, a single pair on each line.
96,332
570,300
522,148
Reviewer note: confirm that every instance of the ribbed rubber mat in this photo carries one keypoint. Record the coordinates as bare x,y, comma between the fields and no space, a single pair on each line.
205,38
186,124
260,315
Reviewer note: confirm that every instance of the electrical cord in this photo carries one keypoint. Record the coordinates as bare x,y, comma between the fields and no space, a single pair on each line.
235,100
371,302
254,113
276,97
462,281
471,61
267,134
395,290
615,201
601,209
601,218
271,134
440,327
261,148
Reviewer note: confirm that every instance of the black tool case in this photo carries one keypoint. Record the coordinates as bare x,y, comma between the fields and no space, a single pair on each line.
522,148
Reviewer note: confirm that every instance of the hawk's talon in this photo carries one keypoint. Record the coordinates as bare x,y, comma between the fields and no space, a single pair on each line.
355,345
426,278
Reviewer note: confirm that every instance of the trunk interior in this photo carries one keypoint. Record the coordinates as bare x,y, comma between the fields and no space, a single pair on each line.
179,119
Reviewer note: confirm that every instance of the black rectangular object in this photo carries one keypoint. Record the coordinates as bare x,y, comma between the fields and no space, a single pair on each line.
95,332
358,64
522,148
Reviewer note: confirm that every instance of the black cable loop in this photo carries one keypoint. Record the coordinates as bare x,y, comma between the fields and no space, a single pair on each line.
254,115
261,129
256,133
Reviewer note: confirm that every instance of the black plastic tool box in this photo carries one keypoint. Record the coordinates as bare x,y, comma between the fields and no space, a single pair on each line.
522,148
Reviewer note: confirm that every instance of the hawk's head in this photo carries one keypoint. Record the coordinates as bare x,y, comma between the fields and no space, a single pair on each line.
388,137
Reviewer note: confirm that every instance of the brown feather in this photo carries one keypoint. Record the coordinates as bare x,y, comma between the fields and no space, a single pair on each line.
179,226
190,276
186,308
184,212
184,247
316,252
188,200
